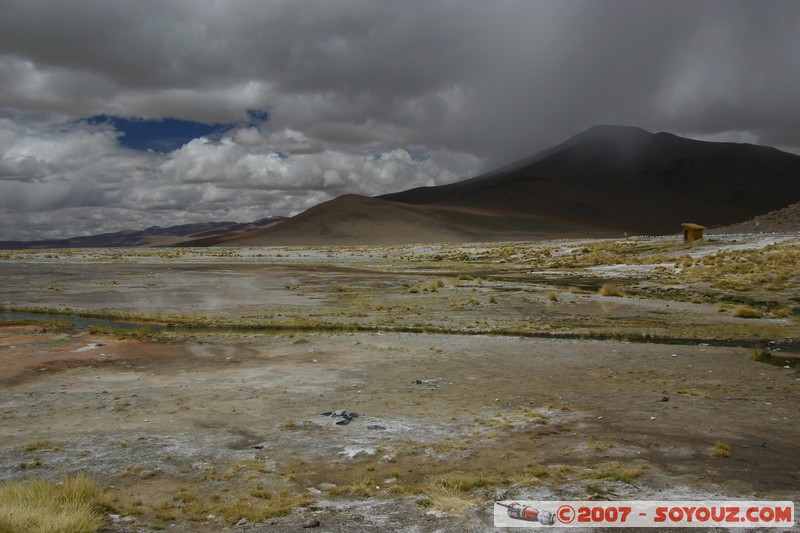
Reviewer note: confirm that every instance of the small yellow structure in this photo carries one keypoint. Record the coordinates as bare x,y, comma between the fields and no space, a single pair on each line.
692,232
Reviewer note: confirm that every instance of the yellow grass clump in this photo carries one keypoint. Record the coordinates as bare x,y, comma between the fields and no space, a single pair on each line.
745,311
451,501
721,451
75,505
611,290
615,472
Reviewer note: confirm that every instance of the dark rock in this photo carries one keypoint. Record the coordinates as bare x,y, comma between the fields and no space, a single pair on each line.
311,524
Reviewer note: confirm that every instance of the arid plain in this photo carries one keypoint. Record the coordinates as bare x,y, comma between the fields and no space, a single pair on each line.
191,383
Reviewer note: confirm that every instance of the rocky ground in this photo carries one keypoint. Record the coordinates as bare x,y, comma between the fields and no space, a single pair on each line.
476,373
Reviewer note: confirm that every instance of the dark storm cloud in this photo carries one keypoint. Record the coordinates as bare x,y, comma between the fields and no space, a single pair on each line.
353,88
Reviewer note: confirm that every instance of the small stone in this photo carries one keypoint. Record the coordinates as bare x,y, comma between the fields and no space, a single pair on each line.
241,522
665,398
652,418
311,524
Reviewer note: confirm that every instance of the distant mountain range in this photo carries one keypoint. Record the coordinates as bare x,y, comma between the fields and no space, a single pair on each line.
609,181
154,236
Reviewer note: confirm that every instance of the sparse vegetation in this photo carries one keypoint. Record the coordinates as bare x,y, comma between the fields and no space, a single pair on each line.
409,291
451,501
260,510
76,505
611,290
721,451
38,445
364,487
615,472
745,311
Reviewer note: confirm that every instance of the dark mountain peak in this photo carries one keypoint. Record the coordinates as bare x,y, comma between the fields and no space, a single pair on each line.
619,141
611,131
628,178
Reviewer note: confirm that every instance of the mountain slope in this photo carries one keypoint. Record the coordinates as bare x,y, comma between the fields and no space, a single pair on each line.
153,236
631,180
354,219
784,220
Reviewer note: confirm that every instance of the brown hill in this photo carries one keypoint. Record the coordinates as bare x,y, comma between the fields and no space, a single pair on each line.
784,220
606,181
354,219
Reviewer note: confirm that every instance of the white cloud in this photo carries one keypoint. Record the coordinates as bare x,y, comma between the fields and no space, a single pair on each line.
77,177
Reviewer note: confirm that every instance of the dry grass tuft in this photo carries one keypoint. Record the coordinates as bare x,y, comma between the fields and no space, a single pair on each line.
614,472
782,312
721,450
452,493
261,510
611,290
451,501
75,505
745,311
364,487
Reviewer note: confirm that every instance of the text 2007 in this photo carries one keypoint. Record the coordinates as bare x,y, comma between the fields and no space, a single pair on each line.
602,514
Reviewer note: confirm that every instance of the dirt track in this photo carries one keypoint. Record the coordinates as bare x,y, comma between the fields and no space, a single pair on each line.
183,425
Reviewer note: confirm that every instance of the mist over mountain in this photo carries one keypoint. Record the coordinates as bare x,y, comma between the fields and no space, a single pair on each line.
608,181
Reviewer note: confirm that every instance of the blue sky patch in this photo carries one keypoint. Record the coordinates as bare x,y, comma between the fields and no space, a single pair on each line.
162,135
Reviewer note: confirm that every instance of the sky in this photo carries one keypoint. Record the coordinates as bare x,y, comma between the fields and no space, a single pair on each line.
124,115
